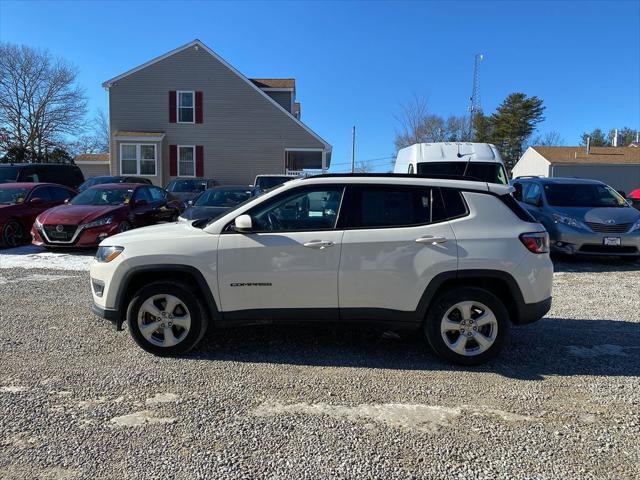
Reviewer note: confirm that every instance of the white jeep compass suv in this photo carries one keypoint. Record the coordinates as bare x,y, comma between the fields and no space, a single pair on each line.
459,261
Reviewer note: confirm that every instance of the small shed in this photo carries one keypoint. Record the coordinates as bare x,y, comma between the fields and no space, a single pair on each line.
93,164
615,166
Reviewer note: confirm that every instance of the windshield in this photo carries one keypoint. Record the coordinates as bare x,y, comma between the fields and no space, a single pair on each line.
265,183
483,171
13,196
583,195
8,174
103,196
184,186
222,198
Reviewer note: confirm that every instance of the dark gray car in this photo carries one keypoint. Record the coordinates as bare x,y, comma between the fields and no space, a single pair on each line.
216,201
188,189
582,216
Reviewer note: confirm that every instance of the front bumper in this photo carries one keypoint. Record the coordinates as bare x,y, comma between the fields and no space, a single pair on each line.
108,314
85,238
571,241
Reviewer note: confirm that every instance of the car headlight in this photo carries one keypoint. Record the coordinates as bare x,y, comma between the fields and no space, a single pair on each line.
99,222
37,223
572,222
636,226
106,254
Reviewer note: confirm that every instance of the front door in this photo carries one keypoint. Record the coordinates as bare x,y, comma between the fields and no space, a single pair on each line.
288,262
396,240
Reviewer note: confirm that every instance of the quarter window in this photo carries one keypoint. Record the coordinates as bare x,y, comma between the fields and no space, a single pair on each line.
138,159
186,107
186,161
299,210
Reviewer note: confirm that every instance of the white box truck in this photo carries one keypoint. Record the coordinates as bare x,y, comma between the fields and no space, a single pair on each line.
481,161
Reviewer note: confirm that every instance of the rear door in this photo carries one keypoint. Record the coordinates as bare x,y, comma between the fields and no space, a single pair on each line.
143,209
396,240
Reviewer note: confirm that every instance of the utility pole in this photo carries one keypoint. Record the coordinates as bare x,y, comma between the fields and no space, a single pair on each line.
353,150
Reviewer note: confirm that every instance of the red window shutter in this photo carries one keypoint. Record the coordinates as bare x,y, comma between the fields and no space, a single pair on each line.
198,107
173,160
199,161
172,106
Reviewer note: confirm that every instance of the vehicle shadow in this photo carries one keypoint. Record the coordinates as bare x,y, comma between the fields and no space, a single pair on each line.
565,263
553,346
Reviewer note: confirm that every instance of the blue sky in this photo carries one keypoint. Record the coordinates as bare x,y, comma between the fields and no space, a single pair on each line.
355,62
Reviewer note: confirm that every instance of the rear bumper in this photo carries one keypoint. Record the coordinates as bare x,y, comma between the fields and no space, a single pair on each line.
532,312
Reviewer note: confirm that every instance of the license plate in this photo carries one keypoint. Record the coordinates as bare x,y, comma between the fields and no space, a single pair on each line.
612,241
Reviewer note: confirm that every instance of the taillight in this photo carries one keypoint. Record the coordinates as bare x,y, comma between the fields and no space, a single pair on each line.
536,242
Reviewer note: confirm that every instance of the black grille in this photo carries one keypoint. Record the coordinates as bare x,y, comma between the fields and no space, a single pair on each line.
65,235
608,249
606,228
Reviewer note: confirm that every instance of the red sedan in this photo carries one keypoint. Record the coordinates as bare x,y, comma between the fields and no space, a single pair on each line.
21,203
102,211
634,198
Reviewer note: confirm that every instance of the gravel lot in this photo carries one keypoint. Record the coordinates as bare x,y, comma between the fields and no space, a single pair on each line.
78,400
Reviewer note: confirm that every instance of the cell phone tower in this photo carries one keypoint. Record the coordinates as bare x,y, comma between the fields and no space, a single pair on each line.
474,101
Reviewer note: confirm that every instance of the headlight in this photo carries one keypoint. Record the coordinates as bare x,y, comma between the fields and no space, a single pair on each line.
99,222
37,223
106,254
572,222
636,226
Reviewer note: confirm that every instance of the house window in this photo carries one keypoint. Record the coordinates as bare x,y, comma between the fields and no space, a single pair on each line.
186,161
137,159
186,107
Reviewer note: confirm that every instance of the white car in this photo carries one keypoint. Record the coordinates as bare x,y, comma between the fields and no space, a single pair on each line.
459,261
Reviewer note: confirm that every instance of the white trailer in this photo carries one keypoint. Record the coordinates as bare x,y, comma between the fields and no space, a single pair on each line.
479,160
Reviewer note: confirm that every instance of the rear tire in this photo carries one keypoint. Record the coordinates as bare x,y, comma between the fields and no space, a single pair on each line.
166,319
467,326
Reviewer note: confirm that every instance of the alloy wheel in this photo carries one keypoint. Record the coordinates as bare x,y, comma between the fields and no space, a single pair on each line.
13,234
164,320
469,328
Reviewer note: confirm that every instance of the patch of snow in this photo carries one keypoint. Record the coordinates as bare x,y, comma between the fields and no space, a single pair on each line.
12,389
162,398
139,419
31,256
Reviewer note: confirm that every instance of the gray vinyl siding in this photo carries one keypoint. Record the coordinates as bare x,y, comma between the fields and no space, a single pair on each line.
283,98
620,177
93,170
243,133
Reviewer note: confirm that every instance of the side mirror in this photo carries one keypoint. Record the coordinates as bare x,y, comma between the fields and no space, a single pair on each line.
190,203
36,202
140,203
67,200
243,224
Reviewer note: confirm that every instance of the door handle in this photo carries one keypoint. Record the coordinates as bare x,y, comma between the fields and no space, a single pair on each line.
319,244
431,240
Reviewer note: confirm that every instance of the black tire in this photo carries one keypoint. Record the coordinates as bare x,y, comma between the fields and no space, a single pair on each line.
197,313
124,226
13,234
446,301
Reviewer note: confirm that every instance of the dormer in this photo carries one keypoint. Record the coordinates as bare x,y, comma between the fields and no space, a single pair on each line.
282,90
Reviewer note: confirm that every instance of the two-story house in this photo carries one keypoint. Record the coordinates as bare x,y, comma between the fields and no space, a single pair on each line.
189,113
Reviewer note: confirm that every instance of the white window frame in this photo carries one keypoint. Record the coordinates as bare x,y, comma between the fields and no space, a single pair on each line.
193,148
139,158
178,107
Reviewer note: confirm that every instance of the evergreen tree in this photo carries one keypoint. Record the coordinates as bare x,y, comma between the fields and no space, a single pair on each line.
597,139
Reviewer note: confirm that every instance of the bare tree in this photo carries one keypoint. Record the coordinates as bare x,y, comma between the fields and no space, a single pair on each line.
363,166
40,101
549,139
97,138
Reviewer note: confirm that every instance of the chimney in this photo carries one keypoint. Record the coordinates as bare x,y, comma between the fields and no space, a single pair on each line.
588,144
615,137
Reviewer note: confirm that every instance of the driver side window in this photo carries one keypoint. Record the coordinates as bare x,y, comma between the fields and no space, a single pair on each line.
299,210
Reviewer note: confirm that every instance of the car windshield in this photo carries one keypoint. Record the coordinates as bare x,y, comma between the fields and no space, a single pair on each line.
483,171
184,186
222,198
103,196
13,196
583,195
8,174
264,183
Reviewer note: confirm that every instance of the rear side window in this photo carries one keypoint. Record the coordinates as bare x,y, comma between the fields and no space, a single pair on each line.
386,206
59,194
42,193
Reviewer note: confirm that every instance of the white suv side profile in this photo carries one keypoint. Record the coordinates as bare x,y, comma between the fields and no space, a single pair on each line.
459,261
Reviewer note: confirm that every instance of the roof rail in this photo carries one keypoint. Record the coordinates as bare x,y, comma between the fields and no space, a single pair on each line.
526,176
398,175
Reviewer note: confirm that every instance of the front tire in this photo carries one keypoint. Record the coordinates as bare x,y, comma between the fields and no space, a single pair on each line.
13,234
166,319
467,326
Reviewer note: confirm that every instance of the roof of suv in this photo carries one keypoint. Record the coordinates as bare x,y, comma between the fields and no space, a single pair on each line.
464,183
561,180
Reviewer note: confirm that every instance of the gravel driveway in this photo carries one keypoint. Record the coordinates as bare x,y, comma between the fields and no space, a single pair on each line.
78,400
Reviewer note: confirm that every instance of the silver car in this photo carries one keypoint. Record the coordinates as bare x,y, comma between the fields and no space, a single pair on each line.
582,216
